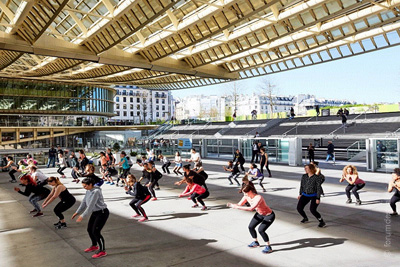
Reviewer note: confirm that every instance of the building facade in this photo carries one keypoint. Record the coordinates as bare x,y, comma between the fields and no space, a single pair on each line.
218,107
33,103
134,105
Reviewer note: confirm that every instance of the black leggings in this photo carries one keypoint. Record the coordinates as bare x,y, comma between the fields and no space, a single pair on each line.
234,176
395,198
311,157
265,221
199,197
260,179
61,169
151,188
136,205
353,188
165,167
11,173
74,174
254,155
241,165
96,222
62,206
303,201
262,164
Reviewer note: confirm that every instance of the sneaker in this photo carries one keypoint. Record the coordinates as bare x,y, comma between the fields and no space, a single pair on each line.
154,198
39,214
92,248
321,224
56,224
112,183
270,175
33,211
304,220
189,198
195,206
77,180
267,249
121,185
74,180
136,215
204,208
394,214
13,181
358,202
157,188
108,183
143,220
264,190
254,244
117,185
230,183
61,225
99,255
349,201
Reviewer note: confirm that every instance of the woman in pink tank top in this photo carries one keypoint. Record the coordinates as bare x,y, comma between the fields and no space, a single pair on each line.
264,215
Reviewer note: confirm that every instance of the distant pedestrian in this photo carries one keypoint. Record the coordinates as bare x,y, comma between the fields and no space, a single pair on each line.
344,120
292,115
254,151
317,110
330,153
311,150
52,157
346,112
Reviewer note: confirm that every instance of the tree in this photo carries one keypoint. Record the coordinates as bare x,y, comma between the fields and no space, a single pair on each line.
213,113
269,89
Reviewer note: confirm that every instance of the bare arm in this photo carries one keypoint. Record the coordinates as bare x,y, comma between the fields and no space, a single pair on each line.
57,192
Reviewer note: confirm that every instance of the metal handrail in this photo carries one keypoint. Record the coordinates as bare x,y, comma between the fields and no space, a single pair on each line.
296,126
259,126
343,126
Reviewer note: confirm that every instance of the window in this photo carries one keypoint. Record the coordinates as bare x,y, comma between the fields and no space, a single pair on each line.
157,107
157,101
131,106
131,113
124,100
117,99
124,106
125,114
117,106
163,107
138,100
118,113
158,114
163,101
131,93
131,99
138,113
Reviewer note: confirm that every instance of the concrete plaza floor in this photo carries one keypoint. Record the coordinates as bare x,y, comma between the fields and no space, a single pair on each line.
178,235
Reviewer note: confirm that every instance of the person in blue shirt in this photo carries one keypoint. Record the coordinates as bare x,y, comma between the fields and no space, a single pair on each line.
125,168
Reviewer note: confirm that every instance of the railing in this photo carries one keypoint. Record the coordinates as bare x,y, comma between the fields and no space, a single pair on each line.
355,148
343,126
256,129
296,126
202,128
390,134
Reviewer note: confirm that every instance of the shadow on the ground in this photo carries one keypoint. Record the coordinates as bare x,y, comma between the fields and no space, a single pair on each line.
311,243
172,216
279,189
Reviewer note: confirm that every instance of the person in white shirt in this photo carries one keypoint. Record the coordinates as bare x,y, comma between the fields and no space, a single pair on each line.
150,154
178,163
194,157
37,175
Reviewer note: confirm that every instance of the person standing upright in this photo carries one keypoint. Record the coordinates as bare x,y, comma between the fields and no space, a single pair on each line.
330,153
311,152
254,152
52,157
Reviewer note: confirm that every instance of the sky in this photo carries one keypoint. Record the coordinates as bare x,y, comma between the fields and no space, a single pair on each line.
368,78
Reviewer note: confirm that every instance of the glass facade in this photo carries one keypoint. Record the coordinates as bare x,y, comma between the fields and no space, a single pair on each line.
32,97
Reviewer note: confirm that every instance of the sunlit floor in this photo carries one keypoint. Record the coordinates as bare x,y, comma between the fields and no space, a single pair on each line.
178,235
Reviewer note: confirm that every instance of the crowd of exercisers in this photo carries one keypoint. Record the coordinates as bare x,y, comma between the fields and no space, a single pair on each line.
37,186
